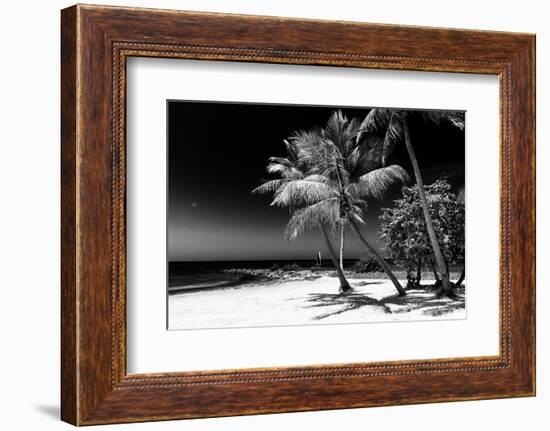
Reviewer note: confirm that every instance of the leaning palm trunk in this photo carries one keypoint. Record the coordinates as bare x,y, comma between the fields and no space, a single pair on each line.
379,259
344,285
342,245
461,278
446,287
436,275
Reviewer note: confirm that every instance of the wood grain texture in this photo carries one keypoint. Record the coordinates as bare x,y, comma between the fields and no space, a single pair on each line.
96,41
69,367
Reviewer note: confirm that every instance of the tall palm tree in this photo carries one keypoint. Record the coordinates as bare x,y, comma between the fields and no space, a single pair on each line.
352,166
388,127
341,174
295,188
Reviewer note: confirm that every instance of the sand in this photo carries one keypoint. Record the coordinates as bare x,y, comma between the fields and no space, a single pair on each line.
311,302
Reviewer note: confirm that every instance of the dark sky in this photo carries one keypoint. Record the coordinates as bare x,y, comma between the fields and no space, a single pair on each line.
218,153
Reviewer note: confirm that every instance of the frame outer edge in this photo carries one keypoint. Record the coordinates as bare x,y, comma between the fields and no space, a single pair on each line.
91,399
532,64
523,215
69,303
528,61
533,53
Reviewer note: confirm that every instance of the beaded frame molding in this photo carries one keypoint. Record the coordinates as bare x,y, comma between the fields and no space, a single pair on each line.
95,44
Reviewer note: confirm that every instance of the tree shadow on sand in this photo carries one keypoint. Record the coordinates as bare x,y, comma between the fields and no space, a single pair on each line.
344,302
426,300
347,302
416,299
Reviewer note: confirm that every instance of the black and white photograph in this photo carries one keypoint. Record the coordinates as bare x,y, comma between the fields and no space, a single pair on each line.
285,215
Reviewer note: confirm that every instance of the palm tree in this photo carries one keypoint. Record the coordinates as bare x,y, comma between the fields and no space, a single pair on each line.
351,164
341,174
294,188
388,127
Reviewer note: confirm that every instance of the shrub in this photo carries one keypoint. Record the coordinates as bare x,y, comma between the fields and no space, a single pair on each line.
367,263
291,267
403,229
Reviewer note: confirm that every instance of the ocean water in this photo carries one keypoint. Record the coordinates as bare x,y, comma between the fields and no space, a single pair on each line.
194,276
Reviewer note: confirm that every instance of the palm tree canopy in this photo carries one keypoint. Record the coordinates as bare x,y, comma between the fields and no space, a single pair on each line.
329,173
382,128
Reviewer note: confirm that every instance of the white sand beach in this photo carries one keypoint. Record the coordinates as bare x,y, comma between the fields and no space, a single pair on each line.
307,302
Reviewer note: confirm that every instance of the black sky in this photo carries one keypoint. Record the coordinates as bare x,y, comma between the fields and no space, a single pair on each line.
218,153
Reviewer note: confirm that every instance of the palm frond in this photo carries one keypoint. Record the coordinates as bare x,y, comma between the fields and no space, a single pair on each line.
380,132
353,158
360,204
291,150
392,137
277,168
270,186
357,216
456,118
284,170
375,183
307,147
281,161
318,178
311,217
363,160
341,132
302,192
334,131
375,122
304,139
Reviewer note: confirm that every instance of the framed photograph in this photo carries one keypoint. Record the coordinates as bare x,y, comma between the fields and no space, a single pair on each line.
265,214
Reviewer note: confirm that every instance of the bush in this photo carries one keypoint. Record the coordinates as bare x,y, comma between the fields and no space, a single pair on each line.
367,264
291,267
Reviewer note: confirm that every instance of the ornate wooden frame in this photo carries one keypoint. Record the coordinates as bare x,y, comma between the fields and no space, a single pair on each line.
95,43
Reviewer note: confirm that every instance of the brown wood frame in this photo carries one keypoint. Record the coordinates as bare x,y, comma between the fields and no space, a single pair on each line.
95,43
